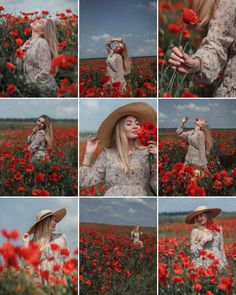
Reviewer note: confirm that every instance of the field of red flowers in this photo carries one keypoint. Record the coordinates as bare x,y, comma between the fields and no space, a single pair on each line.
176,31
176,272
141,82
20,269
110,264
14,31
175,179
58,174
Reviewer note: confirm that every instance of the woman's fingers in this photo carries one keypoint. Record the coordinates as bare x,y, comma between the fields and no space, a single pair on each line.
177,52
176,57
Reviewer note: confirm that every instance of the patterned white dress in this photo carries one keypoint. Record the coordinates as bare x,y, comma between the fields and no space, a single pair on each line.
37,145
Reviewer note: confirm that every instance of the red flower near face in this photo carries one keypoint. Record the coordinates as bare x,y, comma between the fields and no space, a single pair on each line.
20,53
190,16
27,31
147,132
19,42
18,176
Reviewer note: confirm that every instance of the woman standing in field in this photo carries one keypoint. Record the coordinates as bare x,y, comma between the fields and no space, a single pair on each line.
217,52
39,51
118,62
200,143
135,235
40,139
207,237
123,164
43,231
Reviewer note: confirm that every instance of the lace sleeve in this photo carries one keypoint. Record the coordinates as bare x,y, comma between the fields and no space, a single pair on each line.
43,55
108,43
181,133
195,246
36,142
213,51
90,176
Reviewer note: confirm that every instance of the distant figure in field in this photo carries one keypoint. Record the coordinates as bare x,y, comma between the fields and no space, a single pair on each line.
118,61
135,235
40,139
200,143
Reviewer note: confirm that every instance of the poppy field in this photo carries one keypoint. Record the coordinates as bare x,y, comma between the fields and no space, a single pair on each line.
141,82
56,175
177,274
111,264
20,271
175,179
14,31
178,27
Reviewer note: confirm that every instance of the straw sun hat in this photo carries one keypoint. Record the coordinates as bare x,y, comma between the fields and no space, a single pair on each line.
142,111
46,213
212,213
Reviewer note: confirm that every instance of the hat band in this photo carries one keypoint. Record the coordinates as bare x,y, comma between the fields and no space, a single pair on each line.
45,215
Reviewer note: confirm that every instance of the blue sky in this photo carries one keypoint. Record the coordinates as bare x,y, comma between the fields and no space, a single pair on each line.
94,111
133,20
19,213
53,6
220,113
189,204
33,108
123,211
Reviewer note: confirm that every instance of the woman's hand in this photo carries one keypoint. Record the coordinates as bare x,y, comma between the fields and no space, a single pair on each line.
25,238
152,147
182,62
91,146
25,45
35,129
185,119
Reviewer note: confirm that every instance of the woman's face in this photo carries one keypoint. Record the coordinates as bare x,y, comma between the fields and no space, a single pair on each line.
39,25
41,123
201,218
200,122
119,47
131,126
53,223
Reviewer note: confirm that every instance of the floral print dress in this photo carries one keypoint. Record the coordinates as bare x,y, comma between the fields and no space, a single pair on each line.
196,153
108,169
218,51
37,145
115,68
215,247
36,65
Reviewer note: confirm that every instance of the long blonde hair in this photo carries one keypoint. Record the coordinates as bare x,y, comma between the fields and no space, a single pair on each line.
48,131
120,145
205,10
127,64
208,137
50,34
43,232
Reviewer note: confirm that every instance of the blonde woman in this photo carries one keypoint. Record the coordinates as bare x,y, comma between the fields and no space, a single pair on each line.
216,55
39,50
118,61
135,235
207,236
200,143
44,234
40,139
123,164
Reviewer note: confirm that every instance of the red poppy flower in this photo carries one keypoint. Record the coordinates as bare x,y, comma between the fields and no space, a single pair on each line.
40,177
190,16
18,176
45,12
147,132
105,79
15,33
20,53
13,235
68,10
29,168
10,66
19,41
11,88
21,189
27,31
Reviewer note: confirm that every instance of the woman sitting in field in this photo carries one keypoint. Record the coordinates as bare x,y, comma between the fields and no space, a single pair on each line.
200,143
207,237
135,235
123,164
39,51
118,61
40,139
217,52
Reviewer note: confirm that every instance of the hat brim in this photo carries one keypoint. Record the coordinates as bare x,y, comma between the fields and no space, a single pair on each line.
59,215
213,212
142,111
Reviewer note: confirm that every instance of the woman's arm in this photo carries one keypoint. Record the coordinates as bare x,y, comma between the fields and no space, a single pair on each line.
109,41
213,52
34,145
43,56
202,148
90,176
180,130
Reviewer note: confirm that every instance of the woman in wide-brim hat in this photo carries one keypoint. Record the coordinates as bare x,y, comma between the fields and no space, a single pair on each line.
206,235
43,231
123,164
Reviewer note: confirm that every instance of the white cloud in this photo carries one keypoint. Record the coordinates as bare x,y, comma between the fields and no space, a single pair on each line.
97,38
192,107
162,116
132,210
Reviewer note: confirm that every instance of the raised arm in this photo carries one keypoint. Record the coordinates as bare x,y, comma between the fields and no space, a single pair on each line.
109,41
180,130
